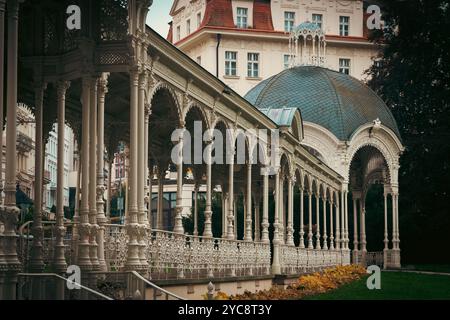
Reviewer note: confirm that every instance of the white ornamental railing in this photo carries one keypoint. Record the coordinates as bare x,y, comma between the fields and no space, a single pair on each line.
174,256
296,260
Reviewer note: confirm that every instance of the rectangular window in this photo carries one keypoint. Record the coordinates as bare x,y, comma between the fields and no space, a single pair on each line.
242,18
344,23
253,65
178,33
287,61
230,63
188,27
317,19
289,21
199,20
199,60
344,66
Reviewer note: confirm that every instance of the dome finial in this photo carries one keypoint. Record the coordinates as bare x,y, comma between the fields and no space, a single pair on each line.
307,45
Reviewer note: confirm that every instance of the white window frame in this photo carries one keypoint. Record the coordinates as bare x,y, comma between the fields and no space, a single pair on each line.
253,63
242,18
289,22
199,19
344,26
344,65
318,21
231,63
178,33
286,64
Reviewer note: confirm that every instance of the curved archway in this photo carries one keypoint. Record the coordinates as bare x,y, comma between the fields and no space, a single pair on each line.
163,121
369,183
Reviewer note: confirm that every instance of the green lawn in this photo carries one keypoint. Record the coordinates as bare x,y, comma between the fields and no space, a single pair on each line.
429,267
394,285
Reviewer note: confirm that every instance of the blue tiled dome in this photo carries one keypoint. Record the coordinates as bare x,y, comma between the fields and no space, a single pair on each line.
307,26
336,101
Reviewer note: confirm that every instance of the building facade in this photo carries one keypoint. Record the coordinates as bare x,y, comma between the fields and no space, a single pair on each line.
51,164
244,42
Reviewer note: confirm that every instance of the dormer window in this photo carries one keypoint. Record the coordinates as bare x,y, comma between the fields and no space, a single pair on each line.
242,18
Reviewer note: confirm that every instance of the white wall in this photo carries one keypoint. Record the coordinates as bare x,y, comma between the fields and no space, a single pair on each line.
271,53
331,10
189,12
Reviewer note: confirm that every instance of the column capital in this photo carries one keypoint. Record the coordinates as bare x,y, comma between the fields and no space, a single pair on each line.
147,110
102,84
143,80
61,88
2,6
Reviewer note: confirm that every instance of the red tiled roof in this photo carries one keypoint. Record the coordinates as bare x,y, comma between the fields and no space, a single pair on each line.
218,13
262,15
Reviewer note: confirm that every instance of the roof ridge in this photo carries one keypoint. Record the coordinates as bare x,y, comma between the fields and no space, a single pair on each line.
321,70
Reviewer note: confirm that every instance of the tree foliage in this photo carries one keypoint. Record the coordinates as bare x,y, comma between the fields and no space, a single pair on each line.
413,77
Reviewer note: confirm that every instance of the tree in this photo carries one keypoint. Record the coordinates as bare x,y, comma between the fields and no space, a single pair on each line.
413,78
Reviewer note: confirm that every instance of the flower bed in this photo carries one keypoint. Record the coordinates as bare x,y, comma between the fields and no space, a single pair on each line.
307,285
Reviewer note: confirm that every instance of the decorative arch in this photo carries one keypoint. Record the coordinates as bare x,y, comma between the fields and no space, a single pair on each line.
162,85
297,126
197,106
382,139
287,162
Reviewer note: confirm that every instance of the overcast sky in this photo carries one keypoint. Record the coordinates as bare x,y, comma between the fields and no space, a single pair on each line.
158,17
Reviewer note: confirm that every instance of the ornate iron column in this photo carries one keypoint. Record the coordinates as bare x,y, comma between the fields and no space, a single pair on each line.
302,221
83,257
310,230
355,226
93,249
142,167
337,226
265,222
133,261
276,267
318,247
248,219
36,259
331,205
178,228
59,260
290,222
230,224
9,212
325,236
102,89
208,210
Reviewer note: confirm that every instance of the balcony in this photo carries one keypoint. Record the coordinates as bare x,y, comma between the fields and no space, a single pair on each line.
47,178
24,143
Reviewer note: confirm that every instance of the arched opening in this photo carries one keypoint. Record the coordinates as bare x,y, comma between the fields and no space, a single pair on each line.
369,183
163,121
